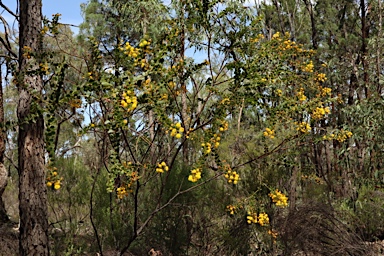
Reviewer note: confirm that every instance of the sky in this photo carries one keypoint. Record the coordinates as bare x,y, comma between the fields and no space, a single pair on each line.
69,9
71,13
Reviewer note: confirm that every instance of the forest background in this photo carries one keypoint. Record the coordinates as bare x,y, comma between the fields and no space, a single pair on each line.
193,128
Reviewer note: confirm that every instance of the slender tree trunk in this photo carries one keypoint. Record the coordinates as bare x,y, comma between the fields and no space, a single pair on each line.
293,185
184,104
364,49
32,188
3,171
309,7
378,50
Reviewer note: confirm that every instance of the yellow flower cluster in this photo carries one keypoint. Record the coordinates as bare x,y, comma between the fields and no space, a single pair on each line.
224,101
325,91
273,233
279,92
288,44
341,136
130,50
232,177
171,85
321,77
279,198
262,219
339,98
231,209
56,185
27,52
207,147
300,95
269,133
251,218
276,35
257,39
129,101
303,127
320,112
309,67
134,177
176,130
216,140
121,192
144,43
195,175
161,167
224,126
44,68
90,75
53,179
142,63
44,30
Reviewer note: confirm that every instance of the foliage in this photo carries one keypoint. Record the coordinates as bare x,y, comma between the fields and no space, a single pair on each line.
232,150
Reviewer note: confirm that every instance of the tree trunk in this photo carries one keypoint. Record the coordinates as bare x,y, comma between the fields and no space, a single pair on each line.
3,171
32,188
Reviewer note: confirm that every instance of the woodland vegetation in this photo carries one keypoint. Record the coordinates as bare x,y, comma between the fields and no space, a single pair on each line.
198,127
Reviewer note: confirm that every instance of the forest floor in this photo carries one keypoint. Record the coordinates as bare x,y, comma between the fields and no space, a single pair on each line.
9,244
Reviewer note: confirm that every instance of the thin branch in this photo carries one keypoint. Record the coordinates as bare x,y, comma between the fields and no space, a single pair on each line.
9,10
263,155
7,44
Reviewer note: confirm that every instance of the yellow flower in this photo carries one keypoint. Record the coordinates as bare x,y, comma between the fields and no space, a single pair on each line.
320,112
279,198
232,176
321,77
273,233
231,209
121,192
308,67
276,35
303,127
251,218
49,184
326,91
263,219
57,185
161,167
195,175
301,96
269,133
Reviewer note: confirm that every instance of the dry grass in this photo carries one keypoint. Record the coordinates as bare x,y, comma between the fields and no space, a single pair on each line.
314,229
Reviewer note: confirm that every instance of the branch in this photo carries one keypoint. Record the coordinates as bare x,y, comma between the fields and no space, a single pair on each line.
159,208
9,11
263,155
7,44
